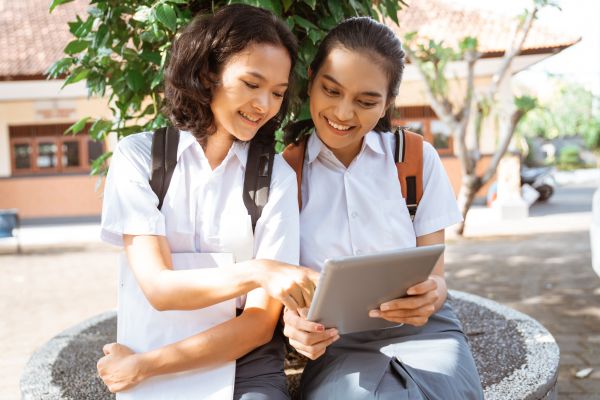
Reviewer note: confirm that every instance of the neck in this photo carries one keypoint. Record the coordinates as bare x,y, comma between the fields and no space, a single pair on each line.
347,154
217,147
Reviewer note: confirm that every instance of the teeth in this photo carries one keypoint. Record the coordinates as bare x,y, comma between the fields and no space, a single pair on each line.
248,117
338,127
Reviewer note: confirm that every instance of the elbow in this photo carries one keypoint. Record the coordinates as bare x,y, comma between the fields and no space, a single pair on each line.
157,297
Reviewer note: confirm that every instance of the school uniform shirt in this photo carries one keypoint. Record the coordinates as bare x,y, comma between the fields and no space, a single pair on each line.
203,210
360,209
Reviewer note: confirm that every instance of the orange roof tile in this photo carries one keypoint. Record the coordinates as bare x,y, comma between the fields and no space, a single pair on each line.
444,20
31,38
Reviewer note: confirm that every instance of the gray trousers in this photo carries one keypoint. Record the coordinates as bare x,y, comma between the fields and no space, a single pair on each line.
433,362
259,374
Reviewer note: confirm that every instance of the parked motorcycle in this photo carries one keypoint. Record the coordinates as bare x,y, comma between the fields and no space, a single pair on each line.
539,178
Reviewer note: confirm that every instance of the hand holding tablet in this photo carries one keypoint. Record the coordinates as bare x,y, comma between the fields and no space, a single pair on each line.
350,287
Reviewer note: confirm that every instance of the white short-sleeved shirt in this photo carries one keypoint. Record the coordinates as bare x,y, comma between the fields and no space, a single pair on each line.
360,209
203,208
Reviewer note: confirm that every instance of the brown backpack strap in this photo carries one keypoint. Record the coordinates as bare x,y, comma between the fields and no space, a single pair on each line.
294,154
409,163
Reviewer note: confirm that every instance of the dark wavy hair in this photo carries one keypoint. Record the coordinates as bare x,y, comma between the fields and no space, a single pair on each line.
200,52
366,35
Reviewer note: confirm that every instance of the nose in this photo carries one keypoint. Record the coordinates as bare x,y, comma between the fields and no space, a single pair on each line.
261,102
344,110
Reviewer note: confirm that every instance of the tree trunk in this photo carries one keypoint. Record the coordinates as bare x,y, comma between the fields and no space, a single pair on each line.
469,187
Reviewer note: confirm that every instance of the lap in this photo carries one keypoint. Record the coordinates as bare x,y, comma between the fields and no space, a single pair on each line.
402,363
259,374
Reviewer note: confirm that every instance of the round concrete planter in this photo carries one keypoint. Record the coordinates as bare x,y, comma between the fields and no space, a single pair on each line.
516,356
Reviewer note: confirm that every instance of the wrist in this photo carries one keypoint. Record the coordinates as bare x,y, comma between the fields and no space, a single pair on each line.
146,365
256,272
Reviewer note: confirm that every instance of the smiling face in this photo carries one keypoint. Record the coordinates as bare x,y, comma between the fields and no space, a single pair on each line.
348,96
250,91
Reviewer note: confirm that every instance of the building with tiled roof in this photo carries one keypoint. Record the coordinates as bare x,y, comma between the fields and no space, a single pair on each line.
38,161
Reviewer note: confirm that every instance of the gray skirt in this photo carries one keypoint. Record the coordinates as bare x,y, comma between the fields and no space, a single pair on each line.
259,374
405,362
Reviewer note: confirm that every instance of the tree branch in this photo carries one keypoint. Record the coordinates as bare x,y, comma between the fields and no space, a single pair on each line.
514,49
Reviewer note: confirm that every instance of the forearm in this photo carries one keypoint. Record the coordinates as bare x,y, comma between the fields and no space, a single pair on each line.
199,288
225,342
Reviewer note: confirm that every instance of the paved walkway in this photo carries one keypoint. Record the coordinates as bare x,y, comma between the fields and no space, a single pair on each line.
544,271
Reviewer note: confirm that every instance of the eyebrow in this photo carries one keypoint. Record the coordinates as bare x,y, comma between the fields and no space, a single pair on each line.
259,76
332,79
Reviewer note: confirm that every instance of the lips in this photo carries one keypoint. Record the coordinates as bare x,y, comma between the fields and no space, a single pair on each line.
249,118
339,129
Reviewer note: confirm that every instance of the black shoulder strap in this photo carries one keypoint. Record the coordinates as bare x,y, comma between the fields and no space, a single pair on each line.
257,179
164,159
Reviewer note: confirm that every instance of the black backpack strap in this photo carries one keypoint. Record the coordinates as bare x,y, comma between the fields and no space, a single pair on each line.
164,159
257,179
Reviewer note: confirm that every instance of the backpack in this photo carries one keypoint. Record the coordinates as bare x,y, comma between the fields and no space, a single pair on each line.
257,178
408,156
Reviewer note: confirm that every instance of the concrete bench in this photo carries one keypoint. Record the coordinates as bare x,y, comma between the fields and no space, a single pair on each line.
517,357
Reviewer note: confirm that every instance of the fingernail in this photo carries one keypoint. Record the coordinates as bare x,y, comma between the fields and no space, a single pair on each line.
373,313
333,333
336,338
384,307
320,328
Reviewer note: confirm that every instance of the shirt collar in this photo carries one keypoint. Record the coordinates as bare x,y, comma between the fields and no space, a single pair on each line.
187,139
315,146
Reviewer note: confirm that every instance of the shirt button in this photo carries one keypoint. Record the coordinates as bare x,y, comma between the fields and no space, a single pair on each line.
358,252
354,214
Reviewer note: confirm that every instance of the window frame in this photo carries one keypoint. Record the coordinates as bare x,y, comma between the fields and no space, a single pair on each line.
34,135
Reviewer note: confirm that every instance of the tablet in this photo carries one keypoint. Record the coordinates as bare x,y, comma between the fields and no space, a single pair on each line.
349,287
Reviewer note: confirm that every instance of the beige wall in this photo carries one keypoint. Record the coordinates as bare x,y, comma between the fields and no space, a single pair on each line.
30,103
49,197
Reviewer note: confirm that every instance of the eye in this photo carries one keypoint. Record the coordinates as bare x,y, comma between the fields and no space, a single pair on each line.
367,104
278,95
330,91
250,85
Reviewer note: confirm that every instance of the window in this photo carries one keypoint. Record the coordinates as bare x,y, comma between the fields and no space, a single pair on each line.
424,121
44,149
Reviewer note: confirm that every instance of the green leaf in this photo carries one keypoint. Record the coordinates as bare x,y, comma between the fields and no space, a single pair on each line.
158,79
135,80
165,14
77,75
84,28
335,8
306,24
77,126
142,14
76,46
151,56
101,37
99,166
178,1
56,3
100,129
311,3
314,35
287,4
59,67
